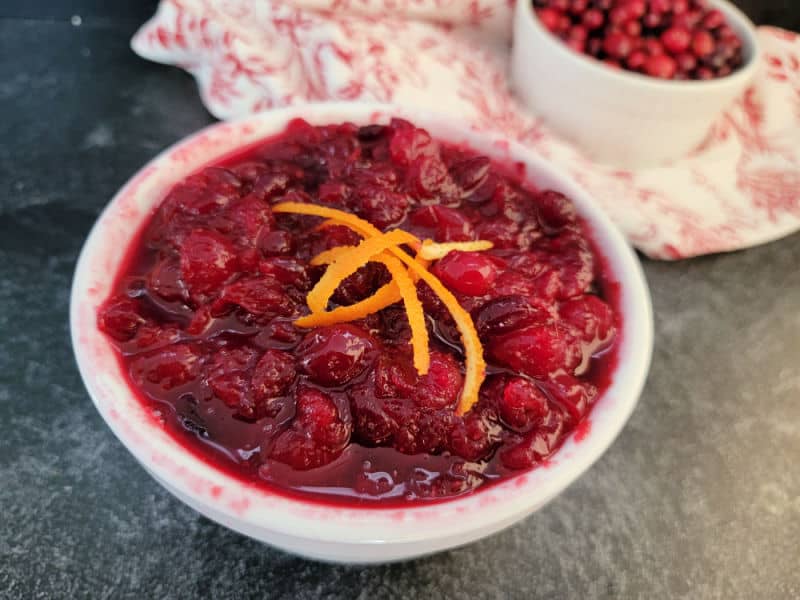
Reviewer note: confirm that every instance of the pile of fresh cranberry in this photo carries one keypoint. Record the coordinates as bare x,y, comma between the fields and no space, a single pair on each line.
668,39
203,310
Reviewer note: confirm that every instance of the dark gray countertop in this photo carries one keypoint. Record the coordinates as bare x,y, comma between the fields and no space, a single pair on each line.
698,498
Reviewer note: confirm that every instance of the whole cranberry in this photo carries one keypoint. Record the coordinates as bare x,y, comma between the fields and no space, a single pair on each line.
440,387
273,374
317,435
208,260
618,45
168,367
522,404
676,39
590,316
335,354
469,273
636,60
505,314
537,350
661,66
592,19
702,44
120,317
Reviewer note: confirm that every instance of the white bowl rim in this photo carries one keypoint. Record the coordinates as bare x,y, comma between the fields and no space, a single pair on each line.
742,24
256,509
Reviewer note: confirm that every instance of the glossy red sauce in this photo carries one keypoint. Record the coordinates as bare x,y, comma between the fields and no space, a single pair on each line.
203,305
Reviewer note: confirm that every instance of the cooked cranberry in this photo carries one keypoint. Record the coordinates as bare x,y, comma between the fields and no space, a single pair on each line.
593,19
549,18
572,394
448,225
317,435
168,367
208,260
272,375
636,60
258,296
246,218
383,208
120,317
440,387
590,316
506,314
470,273
555,210
522,404
372,425
395,376
334,355
275,242
537,350
472,438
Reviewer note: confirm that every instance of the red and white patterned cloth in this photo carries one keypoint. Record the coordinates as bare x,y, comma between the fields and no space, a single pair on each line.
740,189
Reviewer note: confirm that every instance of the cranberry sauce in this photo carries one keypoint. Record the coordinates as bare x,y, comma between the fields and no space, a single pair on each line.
667,39
203,309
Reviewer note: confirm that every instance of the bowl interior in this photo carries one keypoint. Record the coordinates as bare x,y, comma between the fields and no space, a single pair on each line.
259,512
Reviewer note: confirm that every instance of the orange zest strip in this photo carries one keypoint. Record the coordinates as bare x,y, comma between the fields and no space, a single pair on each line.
383,297
326,257
416,316
355,223
475,371
430,250
348,263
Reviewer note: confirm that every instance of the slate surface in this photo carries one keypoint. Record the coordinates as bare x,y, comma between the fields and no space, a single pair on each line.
698,498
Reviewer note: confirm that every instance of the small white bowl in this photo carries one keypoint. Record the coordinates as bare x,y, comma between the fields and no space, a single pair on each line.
314,530
618,117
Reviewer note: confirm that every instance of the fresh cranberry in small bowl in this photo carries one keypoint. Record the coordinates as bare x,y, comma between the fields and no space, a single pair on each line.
189,291
632,83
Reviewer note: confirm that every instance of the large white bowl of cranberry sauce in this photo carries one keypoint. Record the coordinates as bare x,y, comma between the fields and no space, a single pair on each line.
633,83
385,430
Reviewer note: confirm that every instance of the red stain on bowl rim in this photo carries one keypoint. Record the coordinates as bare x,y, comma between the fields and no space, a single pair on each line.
582,431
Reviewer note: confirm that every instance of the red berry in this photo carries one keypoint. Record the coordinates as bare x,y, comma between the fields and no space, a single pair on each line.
549,18
704,73
593,19
653,47
618,45
207,260
636,8
633,29
120,318
713,19
702,44
680,6
470,273
636,60
335,354
661,66
676,39
686,62
522,404
578,7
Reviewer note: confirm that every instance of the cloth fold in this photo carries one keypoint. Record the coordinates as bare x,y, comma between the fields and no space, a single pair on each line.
741,188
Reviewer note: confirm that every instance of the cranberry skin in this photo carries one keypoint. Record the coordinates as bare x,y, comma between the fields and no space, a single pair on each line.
120,318
334,355
522,404
472,438
555,211
661,66
275,242
272,375
395,376
590,316
169,367
470,174
372,425
573,395
676,39
538,351
686,62
448,224
702,44
440,387
505,314
260,297
653,47
317,435
382,208
226,376
208,260
469,273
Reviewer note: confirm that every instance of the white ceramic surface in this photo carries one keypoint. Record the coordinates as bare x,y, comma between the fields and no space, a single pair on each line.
618,117
314,530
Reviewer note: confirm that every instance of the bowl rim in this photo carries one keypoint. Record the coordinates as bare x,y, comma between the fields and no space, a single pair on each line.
257,511
740,22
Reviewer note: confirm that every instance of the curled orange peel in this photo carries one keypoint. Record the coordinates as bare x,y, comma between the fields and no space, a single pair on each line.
431,250
385,248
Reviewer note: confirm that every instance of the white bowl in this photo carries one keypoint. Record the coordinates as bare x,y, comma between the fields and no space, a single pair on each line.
619,117
311,529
